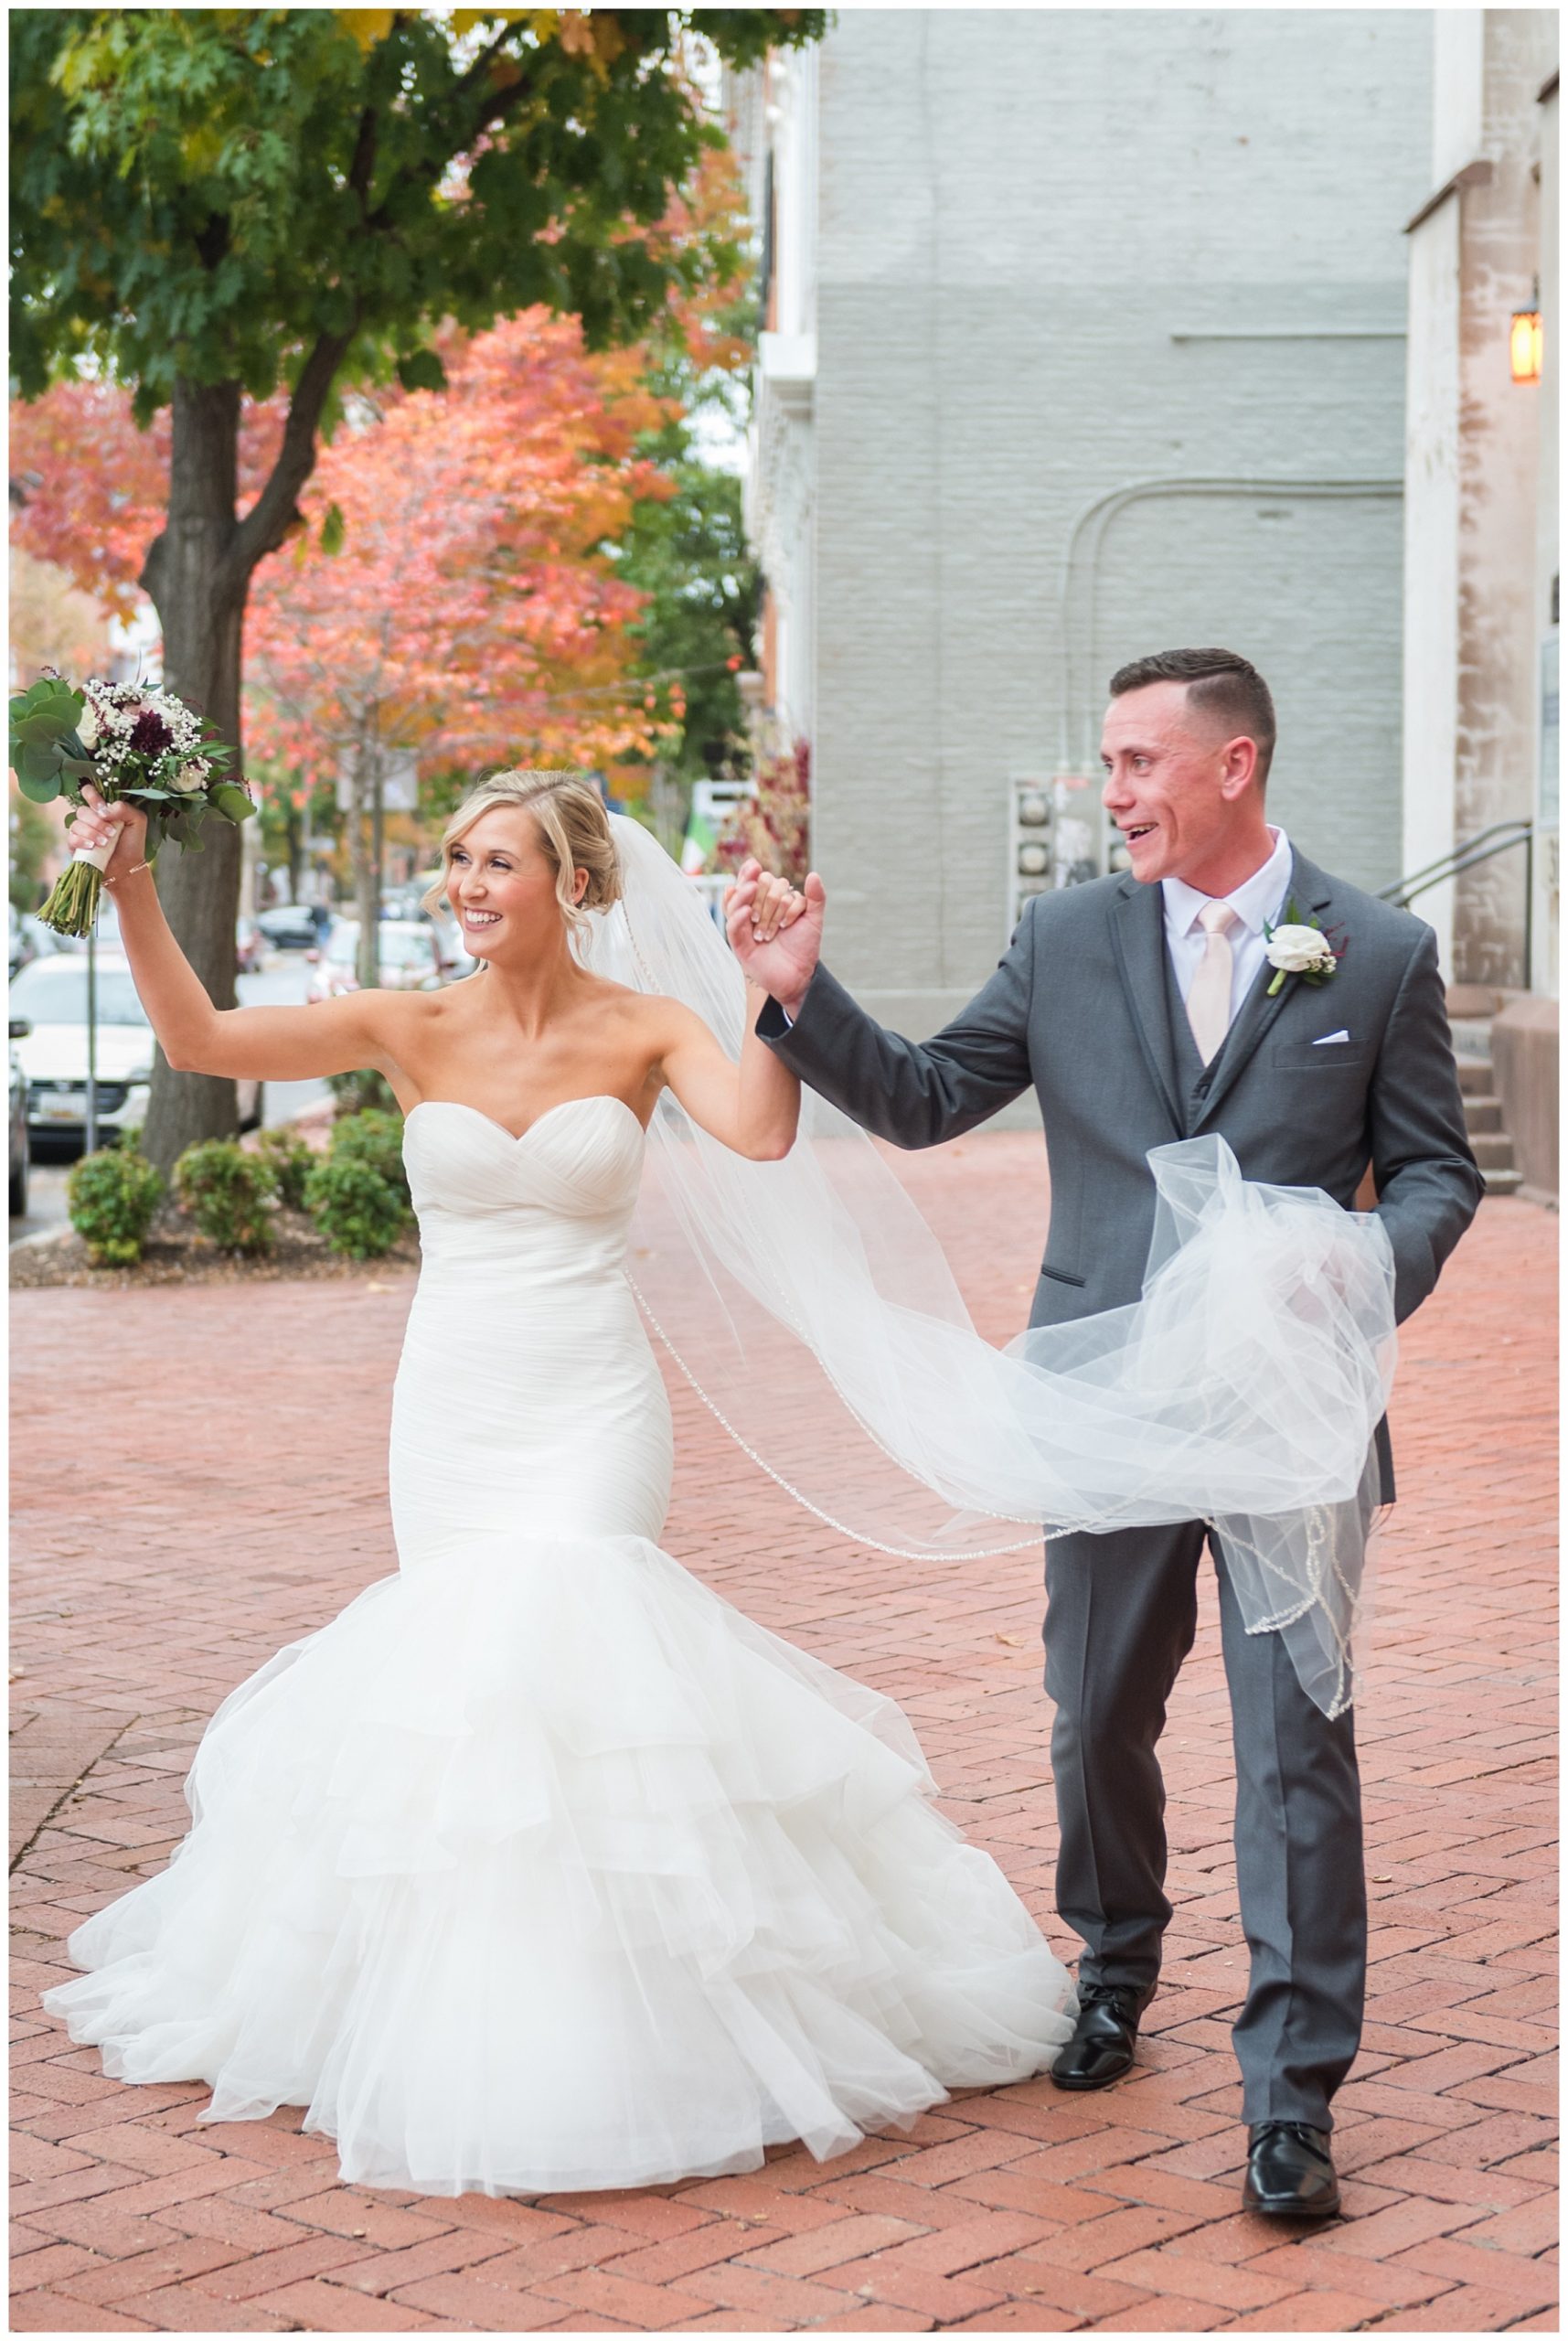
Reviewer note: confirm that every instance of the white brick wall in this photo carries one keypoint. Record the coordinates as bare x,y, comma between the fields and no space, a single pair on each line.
1017,212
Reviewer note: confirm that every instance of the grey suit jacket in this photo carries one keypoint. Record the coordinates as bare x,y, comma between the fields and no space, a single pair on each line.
1078,1009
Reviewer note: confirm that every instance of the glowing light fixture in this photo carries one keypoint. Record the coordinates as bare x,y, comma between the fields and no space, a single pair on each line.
1524,346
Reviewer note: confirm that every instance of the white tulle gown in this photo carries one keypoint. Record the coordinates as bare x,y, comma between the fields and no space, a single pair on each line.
542,1868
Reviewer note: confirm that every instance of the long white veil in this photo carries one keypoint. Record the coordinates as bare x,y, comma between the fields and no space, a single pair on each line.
815,1311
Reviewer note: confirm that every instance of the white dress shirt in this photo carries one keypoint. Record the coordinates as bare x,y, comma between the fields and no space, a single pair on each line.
1261,897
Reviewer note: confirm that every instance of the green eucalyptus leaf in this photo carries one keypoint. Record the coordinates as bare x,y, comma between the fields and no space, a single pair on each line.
38,790
36,764
42,728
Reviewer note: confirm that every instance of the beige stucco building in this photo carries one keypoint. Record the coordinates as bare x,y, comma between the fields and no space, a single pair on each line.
1481,591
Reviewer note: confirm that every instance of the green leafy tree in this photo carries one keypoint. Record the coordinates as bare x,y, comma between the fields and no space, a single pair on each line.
689,556
687,551
208,204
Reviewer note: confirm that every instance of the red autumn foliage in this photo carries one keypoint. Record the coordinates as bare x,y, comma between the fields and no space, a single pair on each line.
471,614
88,490
775,824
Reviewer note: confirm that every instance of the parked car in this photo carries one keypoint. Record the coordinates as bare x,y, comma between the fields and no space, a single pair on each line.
407,957
50,995
250,946
288,926
20,1028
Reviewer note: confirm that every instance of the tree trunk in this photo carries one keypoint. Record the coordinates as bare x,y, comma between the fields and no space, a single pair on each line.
198,576
294,821
200,600
365,871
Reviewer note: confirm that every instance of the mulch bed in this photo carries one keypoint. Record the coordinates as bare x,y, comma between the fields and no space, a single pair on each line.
176,1254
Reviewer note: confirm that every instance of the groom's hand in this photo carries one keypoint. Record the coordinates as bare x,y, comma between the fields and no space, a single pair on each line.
775,931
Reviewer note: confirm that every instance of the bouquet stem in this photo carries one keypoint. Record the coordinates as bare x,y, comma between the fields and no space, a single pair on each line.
72,905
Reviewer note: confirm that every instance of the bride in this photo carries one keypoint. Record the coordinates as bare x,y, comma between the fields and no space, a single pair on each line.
542,1868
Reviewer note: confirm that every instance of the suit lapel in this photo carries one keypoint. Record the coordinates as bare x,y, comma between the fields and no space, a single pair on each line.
1312,893
1137,931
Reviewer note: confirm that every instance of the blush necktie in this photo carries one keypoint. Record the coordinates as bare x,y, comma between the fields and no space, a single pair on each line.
1208,1002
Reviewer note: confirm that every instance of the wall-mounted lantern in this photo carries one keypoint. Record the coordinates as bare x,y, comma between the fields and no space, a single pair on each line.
1524,344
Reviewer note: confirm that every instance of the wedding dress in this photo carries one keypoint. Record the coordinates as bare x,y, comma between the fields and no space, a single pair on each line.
540,1867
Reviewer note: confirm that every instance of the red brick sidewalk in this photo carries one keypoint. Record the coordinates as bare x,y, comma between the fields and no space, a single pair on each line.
146,1593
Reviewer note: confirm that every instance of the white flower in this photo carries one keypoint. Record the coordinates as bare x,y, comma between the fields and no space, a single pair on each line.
1299,951
188,778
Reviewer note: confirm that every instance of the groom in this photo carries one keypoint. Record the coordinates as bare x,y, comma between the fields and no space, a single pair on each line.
1142,1009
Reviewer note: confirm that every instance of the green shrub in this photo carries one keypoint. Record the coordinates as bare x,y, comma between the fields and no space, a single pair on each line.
112,1197
375,1139
355,1091
357,1210
289,1159
229,1193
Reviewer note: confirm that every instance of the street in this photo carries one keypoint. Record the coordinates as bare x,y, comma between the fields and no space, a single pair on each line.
281,982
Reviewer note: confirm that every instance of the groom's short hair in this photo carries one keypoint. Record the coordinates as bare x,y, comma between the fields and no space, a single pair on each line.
1222,684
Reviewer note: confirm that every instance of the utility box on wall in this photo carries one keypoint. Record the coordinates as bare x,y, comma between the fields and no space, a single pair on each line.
1057,836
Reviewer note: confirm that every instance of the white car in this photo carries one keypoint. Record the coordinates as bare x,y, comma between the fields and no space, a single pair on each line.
50,995
407,956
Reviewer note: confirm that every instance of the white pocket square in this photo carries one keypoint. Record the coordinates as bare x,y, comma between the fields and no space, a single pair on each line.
1325,1040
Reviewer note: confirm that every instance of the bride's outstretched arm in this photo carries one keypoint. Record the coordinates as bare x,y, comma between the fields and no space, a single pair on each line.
246,1043
753,1106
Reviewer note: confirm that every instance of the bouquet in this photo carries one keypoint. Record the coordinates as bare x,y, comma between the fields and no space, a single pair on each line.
131,741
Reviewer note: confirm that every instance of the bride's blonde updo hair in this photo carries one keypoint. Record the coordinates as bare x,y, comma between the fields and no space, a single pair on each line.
574,826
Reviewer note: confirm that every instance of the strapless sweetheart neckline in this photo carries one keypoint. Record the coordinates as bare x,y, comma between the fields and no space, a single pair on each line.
456,1105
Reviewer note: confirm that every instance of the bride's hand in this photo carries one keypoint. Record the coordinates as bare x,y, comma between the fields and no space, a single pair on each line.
97,823
775,931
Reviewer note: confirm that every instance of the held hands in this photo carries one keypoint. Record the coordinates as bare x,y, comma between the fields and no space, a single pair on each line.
98,823
775,931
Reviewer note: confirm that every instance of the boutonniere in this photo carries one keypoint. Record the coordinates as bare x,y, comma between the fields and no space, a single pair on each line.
1299,947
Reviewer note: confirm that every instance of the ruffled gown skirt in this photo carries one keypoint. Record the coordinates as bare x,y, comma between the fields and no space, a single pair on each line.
540,1867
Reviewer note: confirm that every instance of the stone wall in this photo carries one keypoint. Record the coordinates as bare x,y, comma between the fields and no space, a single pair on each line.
1526,1063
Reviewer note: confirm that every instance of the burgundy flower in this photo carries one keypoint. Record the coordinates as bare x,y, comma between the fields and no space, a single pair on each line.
150,736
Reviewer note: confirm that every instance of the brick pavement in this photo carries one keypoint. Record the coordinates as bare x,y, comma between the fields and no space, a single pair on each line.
1021,2210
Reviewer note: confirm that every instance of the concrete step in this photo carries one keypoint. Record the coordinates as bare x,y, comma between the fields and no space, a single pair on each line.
1490,1142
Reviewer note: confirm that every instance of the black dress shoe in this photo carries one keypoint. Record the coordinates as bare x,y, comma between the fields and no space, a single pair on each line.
1100,2048
1290,2172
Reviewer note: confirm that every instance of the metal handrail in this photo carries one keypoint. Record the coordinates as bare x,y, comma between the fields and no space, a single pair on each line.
1501,838
1458,857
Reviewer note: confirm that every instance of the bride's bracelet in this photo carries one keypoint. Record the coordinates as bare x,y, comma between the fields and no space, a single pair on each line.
132,872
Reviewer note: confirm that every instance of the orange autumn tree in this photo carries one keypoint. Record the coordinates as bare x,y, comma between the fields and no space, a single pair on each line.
447,590
89,491
449,595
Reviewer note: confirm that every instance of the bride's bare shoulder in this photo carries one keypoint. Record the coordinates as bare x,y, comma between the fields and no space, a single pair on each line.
640,1008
